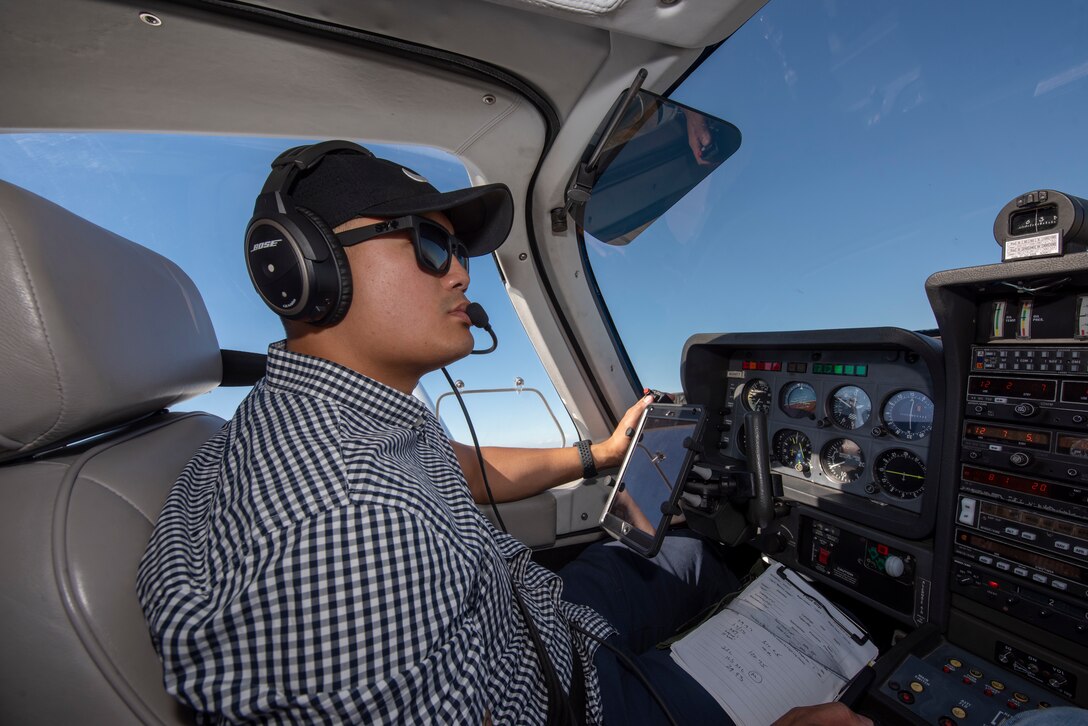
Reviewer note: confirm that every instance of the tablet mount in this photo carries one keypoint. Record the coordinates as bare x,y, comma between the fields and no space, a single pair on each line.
730,503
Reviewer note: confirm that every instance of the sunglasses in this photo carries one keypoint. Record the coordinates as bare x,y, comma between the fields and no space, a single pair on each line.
434,245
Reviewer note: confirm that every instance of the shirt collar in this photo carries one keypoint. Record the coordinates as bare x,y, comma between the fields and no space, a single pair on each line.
320,378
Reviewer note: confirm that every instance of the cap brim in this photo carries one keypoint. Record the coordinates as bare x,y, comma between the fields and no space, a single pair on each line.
481,216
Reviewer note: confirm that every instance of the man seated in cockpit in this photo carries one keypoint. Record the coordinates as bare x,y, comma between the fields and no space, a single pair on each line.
322,558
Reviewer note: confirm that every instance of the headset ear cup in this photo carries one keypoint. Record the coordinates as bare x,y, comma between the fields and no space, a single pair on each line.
341,299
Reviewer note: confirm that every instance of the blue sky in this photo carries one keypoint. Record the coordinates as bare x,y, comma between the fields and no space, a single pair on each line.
880,139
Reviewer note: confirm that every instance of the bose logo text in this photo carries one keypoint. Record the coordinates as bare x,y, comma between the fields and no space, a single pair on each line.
265,245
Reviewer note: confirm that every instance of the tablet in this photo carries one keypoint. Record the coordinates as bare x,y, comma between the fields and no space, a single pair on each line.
652,476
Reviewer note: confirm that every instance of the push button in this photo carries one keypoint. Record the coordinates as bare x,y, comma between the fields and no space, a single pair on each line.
906,697
959,712
955,663
917,687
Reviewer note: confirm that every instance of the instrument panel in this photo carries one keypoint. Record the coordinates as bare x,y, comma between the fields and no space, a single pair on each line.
853,421
855,417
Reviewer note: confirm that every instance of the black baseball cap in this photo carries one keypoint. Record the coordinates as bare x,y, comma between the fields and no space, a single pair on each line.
347,184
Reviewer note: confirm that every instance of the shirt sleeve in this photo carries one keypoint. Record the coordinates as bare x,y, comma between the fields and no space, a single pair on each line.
358,615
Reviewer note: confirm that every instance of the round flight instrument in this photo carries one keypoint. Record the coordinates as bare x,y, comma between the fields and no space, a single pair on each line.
757,395
908,415
900,473
850,407
842,460
793,449
798,400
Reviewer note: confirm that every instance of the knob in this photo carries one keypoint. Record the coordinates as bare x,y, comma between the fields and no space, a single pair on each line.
1024,409
894,565
1020,459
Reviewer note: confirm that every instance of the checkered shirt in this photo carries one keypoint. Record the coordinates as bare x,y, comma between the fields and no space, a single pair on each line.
320,560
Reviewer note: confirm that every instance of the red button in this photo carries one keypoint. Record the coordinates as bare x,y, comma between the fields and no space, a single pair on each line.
1013,704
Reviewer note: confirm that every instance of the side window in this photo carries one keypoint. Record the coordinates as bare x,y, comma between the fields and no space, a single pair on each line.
189,198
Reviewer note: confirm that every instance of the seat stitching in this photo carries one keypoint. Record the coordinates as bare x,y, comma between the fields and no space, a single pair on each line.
41,323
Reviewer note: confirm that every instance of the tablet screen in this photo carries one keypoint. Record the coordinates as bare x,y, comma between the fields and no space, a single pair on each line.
656,464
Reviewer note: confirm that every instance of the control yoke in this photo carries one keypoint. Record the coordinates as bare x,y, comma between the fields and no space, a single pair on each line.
738,498
761,507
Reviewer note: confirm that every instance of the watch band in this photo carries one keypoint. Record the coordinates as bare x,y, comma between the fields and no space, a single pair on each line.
589,469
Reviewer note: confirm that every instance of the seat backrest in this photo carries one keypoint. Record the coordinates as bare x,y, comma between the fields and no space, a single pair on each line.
97,336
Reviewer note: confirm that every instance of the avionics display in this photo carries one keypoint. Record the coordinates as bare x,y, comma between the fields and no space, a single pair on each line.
1033,388
1072,444
1075,391
1035,487
1032,559
1023,516
1026,438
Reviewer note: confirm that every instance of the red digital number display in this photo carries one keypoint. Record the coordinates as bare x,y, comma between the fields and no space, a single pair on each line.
1033,388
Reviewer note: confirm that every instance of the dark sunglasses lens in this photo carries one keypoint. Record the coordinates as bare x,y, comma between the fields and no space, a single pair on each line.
462,255
434,249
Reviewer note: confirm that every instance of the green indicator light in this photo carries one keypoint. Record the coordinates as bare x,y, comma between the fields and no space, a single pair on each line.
819,368
861,370
838,369
848,370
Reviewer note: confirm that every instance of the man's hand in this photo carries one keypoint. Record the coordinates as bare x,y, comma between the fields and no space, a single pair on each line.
826,714
610,452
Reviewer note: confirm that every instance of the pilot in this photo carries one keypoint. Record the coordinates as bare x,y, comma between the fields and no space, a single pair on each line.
322,558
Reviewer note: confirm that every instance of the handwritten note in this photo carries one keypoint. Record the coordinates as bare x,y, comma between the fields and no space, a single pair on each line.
778,645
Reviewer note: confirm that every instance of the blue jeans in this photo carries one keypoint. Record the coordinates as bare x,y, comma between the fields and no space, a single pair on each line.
1050,717
647,601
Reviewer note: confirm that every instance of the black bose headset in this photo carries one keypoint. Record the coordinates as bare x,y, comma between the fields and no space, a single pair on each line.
292,255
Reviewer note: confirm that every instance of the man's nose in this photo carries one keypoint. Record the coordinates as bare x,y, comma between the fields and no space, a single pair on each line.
457,275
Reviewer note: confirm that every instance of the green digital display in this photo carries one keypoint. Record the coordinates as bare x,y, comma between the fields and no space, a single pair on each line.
841,369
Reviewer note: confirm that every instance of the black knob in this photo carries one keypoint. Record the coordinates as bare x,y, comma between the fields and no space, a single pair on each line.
1020,458
1024,409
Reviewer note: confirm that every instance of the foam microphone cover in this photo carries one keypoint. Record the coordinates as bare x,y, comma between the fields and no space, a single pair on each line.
477,315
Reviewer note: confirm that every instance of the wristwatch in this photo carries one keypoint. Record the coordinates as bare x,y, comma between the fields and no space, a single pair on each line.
589,469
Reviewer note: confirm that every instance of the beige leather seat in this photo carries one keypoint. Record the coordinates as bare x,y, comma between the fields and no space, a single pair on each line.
97,336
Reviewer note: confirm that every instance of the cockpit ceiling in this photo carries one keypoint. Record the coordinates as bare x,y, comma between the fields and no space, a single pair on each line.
205,70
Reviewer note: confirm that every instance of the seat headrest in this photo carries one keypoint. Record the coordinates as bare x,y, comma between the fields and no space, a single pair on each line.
95,330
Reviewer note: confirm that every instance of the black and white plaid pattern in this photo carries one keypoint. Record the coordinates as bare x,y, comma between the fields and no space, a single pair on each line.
320,560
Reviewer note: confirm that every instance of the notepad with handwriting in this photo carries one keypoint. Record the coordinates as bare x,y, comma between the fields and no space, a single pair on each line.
777,645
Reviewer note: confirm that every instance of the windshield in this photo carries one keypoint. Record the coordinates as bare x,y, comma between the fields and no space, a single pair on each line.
880,140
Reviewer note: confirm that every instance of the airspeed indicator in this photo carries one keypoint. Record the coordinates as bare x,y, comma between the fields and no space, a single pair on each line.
757,395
